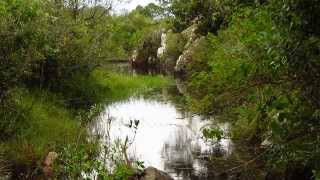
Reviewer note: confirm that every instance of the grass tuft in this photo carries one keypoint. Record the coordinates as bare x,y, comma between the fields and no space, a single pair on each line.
120,86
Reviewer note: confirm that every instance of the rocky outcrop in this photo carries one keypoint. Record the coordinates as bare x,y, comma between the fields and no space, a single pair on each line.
193,39
163,47
187,56
152,173
190,34
147,55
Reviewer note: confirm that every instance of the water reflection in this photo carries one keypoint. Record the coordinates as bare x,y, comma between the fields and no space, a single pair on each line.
168,138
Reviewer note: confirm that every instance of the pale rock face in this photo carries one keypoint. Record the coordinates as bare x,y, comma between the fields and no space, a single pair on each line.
190,34
182,62
134,56
186,56
163,47
266,143
178,67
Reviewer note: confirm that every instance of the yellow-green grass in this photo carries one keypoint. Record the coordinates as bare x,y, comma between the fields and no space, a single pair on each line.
48,126
121,86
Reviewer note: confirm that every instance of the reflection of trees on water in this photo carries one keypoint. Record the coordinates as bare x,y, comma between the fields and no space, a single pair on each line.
179,149
182,156
186,159
185,155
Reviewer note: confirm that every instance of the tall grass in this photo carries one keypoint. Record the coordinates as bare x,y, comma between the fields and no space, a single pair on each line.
4,165
48,127
120,86
103,86
50,123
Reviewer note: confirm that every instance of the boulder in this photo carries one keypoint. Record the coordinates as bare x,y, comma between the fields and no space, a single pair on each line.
134,56
163,47
152,173
266,143
48,163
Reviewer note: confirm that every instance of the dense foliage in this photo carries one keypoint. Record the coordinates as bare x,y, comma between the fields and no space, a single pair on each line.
253,63
258,67
55,45
50,83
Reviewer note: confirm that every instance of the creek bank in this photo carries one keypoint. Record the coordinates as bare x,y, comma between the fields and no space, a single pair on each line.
151,173
168,51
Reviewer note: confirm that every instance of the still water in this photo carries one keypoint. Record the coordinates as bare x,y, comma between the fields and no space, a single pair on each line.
169,137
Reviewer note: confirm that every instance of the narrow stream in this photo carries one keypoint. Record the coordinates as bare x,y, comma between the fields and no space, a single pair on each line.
170,138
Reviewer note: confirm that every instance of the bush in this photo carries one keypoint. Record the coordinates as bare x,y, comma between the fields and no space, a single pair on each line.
260,73
13,115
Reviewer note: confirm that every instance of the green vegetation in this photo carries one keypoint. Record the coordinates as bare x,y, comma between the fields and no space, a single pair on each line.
52,85
126,33
47,124
256,65
253,63
121,86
